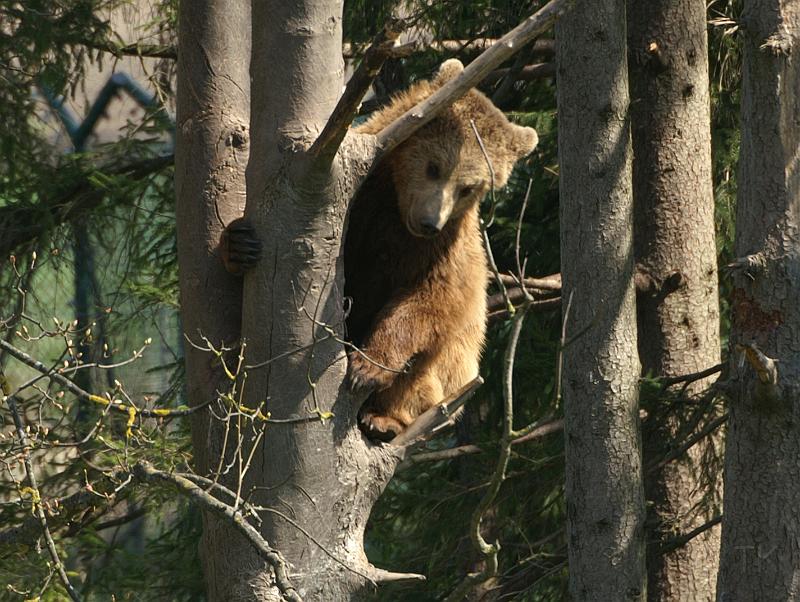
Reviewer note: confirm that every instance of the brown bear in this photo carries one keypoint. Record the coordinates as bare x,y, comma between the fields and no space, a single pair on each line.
415,267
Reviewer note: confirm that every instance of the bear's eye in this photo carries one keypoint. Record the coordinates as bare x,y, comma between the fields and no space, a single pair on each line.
432,171
465,191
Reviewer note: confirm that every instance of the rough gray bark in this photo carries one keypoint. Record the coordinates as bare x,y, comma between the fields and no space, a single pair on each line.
320,474
605,510
674,242
760,551
213,107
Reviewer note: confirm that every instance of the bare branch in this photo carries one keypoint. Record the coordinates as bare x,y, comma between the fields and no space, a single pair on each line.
707,430
381,48
527,73
33,489
114,404
383,576
477,70
540,47
547,283
146,472
440,416
541,430
682,540
155,51
668,381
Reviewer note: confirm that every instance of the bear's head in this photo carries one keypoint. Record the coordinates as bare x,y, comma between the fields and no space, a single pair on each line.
441,171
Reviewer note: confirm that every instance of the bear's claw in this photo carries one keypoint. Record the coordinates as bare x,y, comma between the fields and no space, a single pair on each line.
378,427
364,375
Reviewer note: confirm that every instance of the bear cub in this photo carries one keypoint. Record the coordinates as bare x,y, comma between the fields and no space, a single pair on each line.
415,266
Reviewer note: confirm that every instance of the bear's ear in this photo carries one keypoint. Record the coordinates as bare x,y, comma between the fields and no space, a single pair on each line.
517,142
523,140
447,71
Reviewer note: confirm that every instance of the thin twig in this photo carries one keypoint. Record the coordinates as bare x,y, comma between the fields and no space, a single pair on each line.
539,431
146,472
484,225
33,490
115,405
488,551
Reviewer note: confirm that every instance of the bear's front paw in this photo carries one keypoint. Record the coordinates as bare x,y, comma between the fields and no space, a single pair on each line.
379,427
239,247
365,373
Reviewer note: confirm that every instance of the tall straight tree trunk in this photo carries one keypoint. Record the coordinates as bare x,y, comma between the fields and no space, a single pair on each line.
760,552
605,509
674,242
212,132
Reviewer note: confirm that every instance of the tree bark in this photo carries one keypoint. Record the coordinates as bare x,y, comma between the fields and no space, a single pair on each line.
212,132
605,510
761,529
319,474
674,243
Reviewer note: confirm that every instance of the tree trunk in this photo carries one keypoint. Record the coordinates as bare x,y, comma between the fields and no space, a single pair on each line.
760,551
318,473
674,243
605,510
213,106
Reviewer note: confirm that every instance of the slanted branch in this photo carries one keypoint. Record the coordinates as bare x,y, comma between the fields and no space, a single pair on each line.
381,49
437,418
413,119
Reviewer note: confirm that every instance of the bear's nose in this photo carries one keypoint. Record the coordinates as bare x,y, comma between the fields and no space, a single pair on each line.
429,227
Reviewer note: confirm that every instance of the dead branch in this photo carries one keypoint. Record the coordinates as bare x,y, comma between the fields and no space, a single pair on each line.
147,473
750,265
669,381
546,283
339,122
477,70
676,453
138,49
437,418
527,73
542,430
682,540
766,368
544,47
503,91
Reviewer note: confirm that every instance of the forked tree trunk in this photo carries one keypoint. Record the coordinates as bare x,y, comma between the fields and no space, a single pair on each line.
605,509
320,474
314,475
674,242
760,551
212,142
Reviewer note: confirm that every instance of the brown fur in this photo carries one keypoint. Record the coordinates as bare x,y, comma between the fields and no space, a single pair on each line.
419,302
